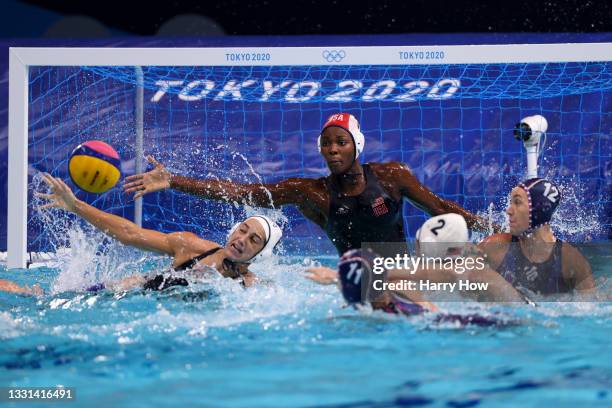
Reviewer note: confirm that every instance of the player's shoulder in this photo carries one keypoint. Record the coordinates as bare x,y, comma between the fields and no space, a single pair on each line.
300,190
569,251
495,248
390,165
389,169
501,238
576,267
495,243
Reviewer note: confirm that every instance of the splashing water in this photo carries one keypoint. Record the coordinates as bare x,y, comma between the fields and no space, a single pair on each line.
287,332
84,255
89,256
574,221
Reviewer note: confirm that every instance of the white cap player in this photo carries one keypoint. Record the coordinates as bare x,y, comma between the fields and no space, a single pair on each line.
442,236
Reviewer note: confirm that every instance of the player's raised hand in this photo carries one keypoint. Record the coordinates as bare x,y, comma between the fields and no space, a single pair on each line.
61,197
149,182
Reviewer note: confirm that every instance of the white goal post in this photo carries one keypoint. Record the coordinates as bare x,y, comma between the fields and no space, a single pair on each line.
20,59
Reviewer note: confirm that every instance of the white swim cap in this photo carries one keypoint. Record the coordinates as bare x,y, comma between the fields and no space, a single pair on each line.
439,234
349,123
273,235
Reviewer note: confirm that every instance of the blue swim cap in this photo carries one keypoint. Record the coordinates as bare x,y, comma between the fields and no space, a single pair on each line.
544,197
357,277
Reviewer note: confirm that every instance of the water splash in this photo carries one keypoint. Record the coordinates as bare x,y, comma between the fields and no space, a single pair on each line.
84,255
90,257
575,220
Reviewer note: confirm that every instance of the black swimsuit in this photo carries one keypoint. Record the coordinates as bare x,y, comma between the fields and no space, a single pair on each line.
164,281
372,216
544,278
193,261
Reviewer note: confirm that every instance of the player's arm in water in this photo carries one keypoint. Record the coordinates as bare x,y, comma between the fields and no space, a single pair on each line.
12,287
180,245
398,177
301,192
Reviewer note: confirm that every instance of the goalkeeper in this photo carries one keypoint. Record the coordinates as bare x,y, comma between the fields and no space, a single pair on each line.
355,204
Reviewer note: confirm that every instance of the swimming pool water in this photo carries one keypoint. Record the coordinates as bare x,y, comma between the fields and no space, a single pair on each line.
291,343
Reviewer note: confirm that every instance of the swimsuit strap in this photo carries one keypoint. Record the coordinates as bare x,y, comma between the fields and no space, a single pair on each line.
193,261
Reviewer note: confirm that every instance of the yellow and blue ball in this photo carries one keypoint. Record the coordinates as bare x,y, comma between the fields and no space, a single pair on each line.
94,166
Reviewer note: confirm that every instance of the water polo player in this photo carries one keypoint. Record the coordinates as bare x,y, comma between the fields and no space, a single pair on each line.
358,290
442,237
253,238
355,204
530,256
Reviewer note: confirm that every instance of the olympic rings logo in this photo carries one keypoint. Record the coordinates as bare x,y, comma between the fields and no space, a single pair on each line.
334,55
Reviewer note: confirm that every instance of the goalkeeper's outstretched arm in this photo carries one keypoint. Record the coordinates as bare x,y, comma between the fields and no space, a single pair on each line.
290,191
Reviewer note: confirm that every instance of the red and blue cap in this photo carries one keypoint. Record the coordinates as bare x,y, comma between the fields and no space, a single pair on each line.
349,123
